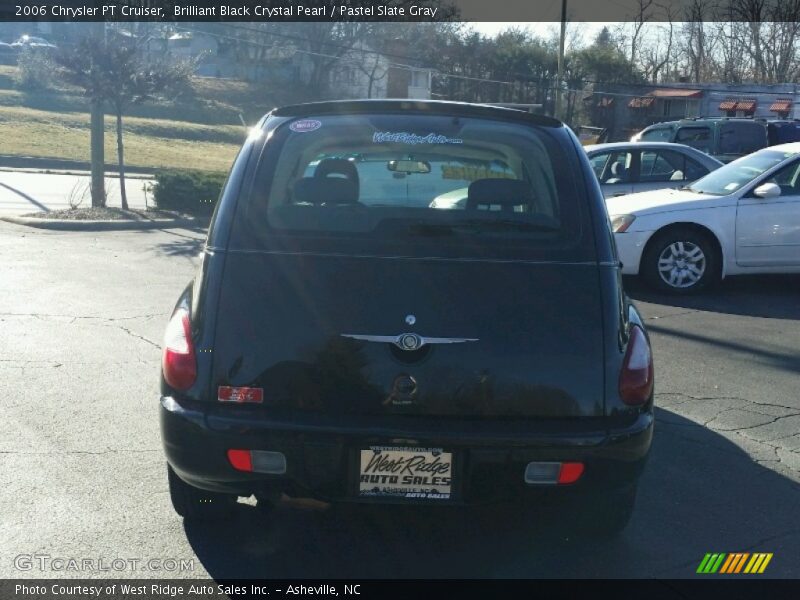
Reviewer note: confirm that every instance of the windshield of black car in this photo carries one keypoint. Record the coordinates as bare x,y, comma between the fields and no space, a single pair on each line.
733,176
416,174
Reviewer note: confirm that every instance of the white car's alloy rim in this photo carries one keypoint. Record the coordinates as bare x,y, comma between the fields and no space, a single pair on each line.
681,264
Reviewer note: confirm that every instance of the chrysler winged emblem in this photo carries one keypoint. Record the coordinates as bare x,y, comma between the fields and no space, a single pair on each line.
407,341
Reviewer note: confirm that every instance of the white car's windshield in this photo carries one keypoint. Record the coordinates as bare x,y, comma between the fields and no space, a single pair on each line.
730,178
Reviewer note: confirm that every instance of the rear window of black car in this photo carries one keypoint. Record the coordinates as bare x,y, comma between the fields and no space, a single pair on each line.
409,176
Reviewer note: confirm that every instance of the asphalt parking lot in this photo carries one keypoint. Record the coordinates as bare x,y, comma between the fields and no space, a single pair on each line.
82,472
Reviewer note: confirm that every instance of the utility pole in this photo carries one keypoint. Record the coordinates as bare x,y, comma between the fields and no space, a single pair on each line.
560,77
97,137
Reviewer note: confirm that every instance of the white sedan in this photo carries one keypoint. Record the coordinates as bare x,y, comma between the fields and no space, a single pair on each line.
742,218
626,167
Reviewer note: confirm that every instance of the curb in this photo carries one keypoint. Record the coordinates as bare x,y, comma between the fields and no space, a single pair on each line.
43,163
112,175
108,225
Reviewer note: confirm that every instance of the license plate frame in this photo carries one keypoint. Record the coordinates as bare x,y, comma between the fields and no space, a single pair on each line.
386,489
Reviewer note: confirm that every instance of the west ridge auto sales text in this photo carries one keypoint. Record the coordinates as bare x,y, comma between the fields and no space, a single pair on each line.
298,10
159,589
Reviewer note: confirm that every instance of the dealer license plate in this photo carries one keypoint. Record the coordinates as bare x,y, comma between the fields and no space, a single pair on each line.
402,472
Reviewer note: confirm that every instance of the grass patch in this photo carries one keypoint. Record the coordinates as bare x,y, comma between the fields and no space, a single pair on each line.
185,130
197,109
148,143
203,132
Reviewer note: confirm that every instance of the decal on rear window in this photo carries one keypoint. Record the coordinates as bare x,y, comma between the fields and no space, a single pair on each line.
402,137
305,125
470,173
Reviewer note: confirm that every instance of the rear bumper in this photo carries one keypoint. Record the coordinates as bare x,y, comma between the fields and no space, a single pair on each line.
489,456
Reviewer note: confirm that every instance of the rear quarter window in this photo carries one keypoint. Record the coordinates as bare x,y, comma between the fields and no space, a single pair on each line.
657,134
741,138
696,137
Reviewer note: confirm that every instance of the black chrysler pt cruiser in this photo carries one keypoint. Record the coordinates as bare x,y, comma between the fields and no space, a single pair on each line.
408,302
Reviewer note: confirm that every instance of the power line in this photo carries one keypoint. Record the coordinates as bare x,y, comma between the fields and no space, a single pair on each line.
343,59
525,79
522,78
350,49
301,39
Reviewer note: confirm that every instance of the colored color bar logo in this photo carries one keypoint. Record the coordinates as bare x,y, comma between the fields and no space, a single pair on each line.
735,562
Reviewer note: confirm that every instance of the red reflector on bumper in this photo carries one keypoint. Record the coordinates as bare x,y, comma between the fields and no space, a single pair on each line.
227,393
241,460
570,472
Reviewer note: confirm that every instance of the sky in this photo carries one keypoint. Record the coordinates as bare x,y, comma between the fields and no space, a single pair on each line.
541,29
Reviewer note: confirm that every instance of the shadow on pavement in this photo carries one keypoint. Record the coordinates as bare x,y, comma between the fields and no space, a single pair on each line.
187,241
30,199
700,493
771,296
185,247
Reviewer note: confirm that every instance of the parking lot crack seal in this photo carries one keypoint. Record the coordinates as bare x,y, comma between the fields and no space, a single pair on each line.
738,398
82,317
744,427
774,420
141,337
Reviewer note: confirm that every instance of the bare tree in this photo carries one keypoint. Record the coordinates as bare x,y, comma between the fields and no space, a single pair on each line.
734,66
115,71
698,45
752,13
780,41
631,32
656,47
374,68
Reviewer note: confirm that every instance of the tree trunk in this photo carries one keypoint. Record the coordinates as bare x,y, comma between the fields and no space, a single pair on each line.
97,135
96,139
123,195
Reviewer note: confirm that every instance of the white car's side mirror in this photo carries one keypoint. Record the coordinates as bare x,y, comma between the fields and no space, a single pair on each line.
767,190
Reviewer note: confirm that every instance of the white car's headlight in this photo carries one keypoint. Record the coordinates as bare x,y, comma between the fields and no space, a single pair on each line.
620,223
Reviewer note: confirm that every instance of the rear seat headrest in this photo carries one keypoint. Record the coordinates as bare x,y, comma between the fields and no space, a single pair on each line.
504,192
325,190
337,166
329,168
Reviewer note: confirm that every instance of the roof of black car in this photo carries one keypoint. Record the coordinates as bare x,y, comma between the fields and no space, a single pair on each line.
437,107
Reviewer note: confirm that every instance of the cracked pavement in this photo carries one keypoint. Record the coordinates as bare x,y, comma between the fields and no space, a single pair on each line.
82,472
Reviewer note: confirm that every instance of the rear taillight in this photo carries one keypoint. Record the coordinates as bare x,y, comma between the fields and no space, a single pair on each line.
550,473
179,363
241,460
636,377
570,472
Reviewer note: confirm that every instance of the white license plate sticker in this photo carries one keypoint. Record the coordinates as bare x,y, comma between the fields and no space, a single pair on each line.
401,472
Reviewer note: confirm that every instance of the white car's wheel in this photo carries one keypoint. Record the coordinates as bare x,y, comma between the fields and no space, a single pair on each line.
681,261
